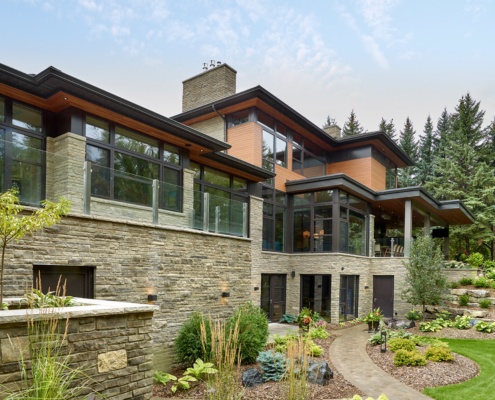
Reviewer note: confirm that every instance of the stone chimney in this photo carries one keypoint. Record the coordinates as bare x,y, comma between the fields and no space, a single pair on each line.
333,130
216,82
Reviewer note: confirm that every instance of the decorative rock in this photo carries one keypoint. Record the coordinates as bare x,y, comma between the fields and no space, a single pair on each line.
404,324
478,293
319,373
473,322
252,377
112,361
458,292
477,313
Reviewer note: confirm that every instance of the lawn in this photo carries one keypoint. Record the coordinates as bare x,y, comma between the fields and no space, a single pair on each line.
481,387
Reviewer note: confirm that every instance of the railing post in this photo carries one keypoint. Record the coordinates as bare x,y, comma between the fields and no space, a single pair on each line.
217,218
206,212
155,200
244,220
87,187
392,247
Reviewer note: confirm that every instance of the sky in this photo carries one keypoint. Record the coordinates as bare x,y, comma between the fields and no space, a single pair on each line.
381,58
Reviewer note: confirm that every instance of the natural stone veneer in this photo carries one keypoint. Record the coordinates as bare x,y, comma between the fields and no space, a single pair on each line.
110,341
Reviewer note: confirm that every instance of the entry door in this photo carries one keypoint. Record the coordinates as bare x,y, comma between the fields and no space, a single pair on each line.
383,294
273,295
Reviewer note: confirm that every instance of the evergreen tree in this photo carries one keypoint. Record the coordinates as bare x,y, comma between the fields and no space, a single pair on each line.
387,127
328,122
461,172
352,126
441,133
425,154
407,176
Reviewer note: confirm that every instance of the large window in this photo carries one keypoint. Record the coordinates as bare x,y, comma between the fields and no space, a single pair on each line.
125,163
22,160
353,231
274,146
307,158
226,201
274,206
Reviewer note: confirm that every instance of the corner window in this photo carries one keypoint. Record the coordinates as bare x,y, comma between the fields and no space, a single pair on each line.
26,117
97,130
274,210
238,118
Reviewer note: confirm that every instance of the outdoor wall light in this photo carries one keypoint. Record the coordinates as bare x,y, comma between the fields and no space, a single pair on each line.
256,288
152,297
383,341
225,294
293,274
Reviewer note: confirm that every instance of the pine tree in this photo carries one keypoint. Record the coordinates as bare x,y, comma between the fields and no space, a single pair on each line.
441,133
425,154
387,127
328,122
352,126
407,176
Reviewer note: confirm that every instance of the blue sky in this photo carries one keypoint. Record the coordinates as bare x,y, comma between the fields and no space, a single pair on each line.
380,58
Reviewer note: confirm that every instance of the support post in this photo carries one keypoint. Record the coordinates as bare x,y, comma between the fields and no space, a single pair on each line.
244,220
206,212
407,227
155,200
427,226
87,187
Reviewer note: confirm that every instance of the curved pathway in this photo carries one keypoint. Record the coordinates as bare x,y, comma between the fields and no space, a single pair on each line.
349,356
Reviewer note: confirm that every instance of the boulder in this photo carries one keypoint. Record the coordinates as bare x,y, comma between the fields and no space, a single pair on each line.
478,293
458,292
404,324
319,373
252,377
477,313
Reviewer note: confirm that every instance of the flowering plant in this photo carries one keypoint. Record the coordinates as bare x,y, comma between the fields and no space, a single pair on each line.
374,316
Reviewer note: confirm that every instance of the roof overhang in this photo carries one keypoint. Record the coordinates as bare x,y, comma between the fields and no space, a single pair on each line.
388,205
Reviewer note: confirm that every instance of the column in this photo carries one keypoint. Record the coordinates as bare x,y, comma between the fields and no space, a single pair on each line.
407,227
427,225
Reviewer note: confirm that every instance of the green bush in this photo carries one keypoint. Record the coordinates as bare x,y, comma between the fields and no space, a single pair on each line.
489,265
426,340
475,260
463,300
318,333
395,344
413,315
454,285
413,358
188,347
485,303
315,350
253,331
490,274
432,326
466,281
287,319
462,322
273,365
487,327
482,282
438,354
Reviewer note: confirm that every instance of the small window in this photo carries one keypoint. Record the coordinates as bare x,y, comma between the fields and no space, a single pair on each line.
171,154
26,117
136,142
2,110
196,168
239,118
324,196
216,177
97,130
266,120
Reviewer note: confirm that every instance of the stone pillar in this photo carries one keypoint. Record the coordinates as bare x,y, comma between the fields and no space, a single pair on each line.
427,225
64,169
188,194
371,235
407,227
256,235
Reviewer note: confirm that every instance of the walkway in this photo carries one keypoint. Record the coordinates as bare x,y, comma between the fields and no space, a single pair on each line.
349,356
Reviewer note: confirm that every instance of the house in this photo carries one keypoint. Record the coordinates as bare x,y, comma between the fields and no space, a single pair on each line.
238,198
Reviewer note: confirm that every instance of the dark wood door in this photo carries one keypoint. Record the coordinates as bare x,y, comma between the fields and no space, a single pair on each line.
383,294
79,281
273,289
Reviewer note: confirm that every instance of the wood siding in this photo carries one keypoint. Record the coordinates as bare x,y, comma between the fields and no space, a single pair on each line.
378,175
367,171
246,142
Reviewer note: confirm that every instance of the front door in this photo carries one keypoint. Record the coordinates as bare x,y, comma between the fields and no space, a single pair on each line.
383,294
273,295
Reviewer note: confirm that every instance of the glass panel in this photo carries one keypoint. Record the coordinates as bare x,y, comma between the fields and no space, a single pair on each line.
313,148
302,221
26,117
2,110
216,177
268,149
219,210
297,139
281,146
296,160
2,159
343,213
344,234
324,196
100,174
171,154
240,183
281,129
97,129
265,120
357,203
280,197
267,234
265,294
196,168
136,142
357,234
236,215
323,212
267,209
136,166
348,301
302,199
279,229
267,193
268,165
312,166
170,191
239,118
342,197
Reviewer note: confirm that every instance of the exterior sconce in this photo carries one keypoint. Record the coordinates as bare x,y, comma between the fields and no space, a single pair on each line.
383,341
152,297
293,274
256,288
225,294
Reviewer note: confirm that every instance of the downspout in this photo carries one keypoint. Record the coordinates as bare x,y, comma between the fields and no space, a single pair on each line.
224,123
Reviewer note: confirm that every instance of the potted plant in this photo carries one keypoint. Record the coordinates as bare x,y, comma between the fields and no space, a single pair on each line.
373,319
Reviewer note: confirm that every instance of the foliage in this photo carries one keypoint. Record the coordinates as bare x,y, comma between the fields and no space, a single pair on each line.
475,260
432,326
374,316
163,378
395,344
200,368
14,227
485,303
307,318
425,282
352,126
288,319
438,354
454,285
188,347
253,331
315,350
487,327
273,365
489,265
318,333
466,281
296,373
490,274
426,340
482,282
414,315
407,176
180,383
425,154
412,358
462,322
443,314
37,299
387,127
464,300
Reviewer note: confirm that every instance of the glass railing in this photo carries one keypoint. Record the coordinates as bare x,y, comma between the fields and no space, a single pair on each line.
39,175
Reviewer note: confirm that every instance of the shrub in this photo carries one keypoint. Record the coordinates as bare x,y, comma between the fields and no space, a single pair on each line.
466,281
462,322
413,315
475,260
463,300
438,354
273,365
482,282
486,327
288,319
315,350
318,333
401,344
253,331
413,358
454,285
432,341
489,265
485,303
188,345
432,326
490,274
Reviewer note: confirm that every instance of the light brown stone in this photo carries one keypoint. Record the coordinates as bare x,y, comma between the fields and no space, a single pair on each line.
112,361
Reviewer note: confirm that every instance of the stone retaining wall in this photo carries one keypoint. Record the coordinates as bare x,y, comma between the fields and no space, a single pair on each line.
110,341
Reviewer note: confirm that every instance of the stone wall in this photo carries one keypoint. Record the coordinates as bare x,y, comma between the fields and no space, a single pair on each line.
110,342
214,127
